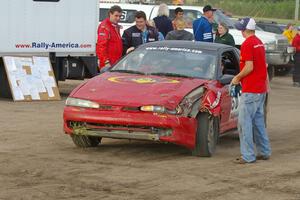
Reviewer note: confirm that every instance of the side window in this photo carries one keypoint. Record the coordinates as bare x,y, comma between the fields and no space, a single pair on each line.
128,16
229,63
261,26
103,14
273,29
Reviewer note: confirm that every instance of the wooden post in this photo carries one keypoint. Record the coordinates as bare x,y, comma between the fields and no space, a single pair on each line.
297,10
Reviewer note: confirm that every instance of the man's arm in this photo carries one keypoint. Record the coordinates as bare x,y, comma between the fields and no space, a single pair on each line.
207,32
102,44
126,41
246,70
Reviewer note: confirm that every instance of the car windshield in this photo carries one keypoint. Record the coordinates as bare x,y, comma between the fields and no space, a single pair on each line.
165,61
220,17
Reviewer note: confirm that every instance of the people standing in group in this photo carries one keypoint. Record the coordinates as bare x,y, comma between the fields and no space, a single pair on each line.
162,22
202,27
296,73
289,32
180,33
253,78
178,15
109,41
223,36
160,35
138,34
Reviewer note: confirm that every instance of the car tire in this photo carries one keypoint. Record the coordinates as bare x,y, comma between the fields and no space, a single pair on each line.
282,71
207,135
84,141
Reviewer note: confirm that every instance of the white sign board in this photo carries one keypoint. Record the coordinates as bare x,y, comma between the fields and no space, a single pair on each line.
31,78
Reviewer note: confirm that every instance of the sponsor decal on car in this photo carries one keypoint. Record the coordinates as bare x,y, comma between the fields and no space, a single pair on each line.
121,79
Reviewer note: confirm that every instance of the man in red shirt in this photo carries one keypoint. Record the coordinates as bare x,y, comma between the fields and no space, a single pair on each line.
253,78
296,44
109,43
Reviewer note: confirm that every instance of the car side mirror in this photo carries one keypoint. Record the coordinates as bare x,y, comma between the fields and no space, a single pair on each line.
226,79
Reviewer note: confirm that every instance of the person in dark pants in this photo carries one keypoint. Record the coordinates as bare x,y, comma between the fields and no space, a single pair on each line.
253,78
223,36
138,34
296,44
162,22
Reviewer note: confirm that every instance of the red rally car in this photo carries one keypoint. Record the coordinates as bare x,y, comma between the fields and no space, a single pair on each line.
169,91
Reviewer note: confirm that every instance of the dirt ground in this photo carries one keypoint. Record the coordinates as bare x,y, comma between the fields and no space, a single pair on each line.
38,161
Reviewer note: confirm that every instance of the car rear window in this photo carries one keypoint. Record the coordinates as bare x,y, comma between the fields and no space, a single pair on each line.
128,16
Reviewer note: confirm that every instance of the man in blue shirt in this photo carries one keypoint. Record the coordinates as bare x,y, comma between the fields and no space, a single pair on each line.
202,26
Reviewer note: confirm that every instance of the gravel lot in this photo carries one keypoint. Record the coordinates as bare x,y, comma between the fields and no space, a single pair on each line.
38,161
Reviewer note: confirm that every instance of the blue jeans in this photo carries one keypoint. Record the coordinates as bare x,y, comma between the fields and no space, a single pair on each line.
252,127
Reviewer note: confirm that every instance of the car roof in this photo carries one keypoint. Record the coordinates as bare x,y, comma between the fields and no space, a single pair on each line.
204,46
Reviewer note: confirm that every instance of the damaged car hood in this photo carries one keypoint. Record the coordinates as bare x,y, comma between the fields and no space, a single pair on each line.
136,90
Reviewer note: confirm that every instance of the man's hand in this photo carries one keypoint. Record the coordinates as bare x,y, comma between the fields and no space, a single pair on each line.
235,80
107,65
129,50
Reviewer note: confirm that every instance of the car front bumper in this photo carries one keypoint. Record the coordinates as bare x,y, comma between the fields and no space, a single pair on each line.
277,58
131,125
280,57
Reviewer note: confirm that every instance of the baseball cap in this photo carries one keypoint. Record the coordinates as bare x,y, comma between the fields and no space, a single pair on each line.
245,23
208,8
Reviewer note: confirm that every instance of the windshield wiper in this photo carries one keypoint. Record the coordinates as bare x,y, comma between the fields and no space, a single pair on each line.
170,74
127,71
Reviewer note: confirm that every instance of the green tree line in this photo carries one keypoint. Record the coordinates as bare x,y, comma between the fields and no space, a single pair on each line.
280,9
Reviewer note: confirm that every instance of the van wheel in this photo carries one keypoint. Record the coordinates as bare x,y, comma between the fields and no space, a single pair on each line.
84,141
206,135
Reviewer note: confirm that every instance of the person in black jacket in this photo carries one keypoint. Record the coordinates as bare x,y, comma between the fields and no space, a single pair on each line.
162,22
223,36
138,34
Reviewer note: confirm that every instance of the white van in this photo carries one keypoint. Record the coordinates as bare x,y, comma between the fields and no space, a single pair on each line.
277,46
65,30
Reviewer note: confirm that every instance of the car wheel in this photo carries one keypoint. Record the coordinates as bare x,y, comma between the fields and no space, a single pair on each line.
206,135
84,141
282,71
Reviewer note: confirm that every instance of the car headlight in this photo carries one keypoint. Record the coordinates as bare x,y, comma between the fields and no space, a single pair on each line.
270,46
290,50
159,109
81,103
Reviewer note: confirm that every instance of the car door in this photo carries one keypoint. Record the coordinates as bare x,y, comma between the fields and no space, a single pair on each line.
229,66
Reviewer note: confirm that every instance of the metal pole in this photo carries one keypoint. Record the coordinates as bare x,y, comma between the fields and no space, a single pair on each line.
296,10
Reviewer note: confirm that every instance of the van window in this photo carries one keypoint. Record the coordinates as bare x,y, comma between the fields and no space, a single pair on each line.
128,16
189,16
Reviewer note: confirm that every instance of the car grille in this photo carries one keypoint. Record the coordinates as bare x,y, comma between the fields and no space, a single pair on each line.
112,127
282,44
